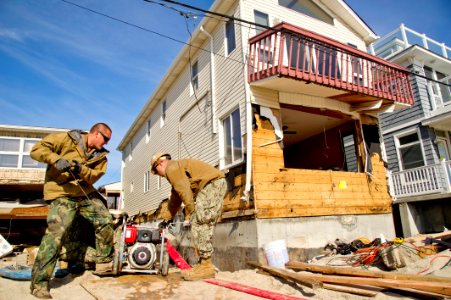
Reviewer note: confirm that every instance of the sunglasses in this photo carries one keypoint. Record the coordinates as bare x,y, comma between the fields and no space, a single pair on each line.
105,138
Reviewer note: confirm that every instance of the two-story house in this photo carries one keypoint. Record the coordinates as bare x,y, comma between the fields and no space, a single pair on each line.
417,140
22,215
283,97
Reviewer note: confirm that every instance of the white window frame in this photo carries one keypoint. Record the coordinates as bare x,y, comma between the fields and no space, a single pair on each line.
163,112
21,153
194,78
148,131
222,143
146,181
227,38
130,151
398,146
257,28
158,182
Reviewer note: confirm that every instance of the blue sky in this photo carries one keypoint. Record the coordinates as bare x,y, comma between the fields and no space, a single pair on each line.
67,67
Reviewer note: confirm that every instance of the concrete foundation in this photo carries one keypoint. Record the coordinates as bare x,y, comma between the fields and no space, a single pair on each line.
425,216
238,242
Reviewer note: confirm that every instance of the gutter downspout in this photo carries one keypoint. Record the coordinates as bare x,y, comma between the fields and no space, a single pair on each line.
212,82
249,117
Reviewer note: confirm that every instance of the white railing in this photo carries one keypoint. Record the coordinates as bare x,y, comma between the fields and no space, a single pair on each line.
401,38
421,181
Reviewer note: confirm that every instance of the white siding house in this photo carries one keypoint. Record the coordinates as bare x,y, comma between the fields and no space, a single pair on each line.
253,100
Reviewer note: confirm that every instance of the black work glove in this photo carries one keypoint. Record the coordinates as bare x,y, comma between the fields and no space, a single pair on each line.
76,167
62,165
163,224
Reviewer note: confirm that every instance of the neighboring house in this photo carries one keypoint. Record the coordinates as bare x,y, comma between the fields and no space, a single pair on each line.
417,140
288,110
112,193
22,212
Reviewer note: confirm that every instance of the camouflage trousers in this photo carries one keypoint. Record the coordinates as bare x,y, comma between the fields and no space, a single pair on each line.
63,213
207,211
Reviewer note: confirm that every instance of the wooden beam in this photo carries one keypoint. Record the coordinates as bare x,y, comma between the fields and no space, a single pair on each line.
432,286
300,266
288,275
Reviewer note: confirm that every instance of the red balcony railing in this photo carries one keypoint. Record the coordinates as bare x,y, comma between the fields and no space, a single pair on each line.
293,52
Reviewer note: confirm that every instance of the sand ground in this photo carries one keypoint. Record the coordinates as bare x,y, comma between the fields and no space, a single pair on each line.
138,286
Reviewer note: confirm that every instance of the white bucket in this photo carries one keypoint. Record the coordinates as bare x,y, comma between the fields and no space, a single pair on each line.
276,253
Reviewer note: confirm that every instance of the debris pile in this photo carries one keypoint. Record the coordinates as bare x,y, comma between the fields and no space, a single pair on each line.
417,267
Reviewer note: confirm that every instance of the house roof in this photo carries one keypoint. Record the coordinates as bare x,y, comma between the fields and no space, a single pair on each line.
30,129
193,45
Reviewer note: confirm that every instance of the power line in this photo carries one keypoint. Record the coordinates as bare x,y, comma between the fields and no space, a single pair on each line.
207,12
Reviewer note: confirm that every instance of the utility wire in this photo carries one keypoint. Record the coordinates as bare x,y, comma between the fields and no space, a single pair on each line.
207,12
263,26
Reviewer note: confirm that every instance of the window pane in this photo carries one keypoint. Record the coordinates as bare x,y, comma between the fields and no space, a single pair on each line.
227,142
28,162
408,139
230,34
28,144
237,147
9,145
9,161
260,19
411,157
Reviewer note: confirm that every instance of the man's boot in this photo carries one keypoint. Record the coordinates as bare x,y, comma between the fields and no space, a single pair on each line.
201,271
103,269
41,291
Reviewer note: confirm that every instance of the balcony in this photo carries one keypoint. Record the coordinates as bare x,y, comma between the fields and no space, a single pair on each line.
338,71
421,182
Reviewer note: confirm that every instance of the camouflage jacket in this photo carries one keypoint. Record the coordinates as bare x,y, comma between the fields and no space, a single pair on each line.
70,146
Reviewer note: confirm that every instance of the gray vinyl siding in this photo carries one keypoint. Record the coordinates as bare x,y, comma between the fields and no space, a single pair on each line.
416,112
187,132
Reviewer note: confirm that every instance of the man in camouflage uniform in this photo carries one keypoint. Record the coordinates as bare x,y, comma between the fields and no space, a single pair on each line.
201,188
76,160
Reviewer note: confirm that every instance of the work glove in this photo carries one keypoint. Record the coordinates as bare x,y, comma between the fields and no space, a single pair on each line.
76,167
62,165
163,224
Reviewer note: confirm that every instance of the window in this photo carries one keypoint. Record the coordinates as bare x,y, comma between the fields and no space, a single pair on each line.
442,144
260,19
158,182
149,126
350,153
233,148
441,93
307,7
356,67
146,181
15,153
163,113
410,151
230,36
194,76
130,151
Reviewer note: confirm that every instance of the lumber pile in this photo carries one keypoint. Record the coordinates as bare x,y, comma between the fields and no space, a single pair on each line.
360,282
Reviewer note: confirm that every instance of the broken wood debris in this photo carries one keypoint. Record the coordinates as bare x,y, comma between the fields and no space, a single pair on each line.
359,279
301,266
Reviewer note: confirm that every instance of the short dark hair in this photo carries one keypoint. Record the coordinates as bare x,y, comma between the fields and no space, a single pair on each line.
100,126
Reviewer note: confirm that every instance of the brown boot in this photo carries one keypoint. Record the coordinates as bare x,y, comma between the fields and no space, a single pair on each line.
103,269
201,271
41,292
